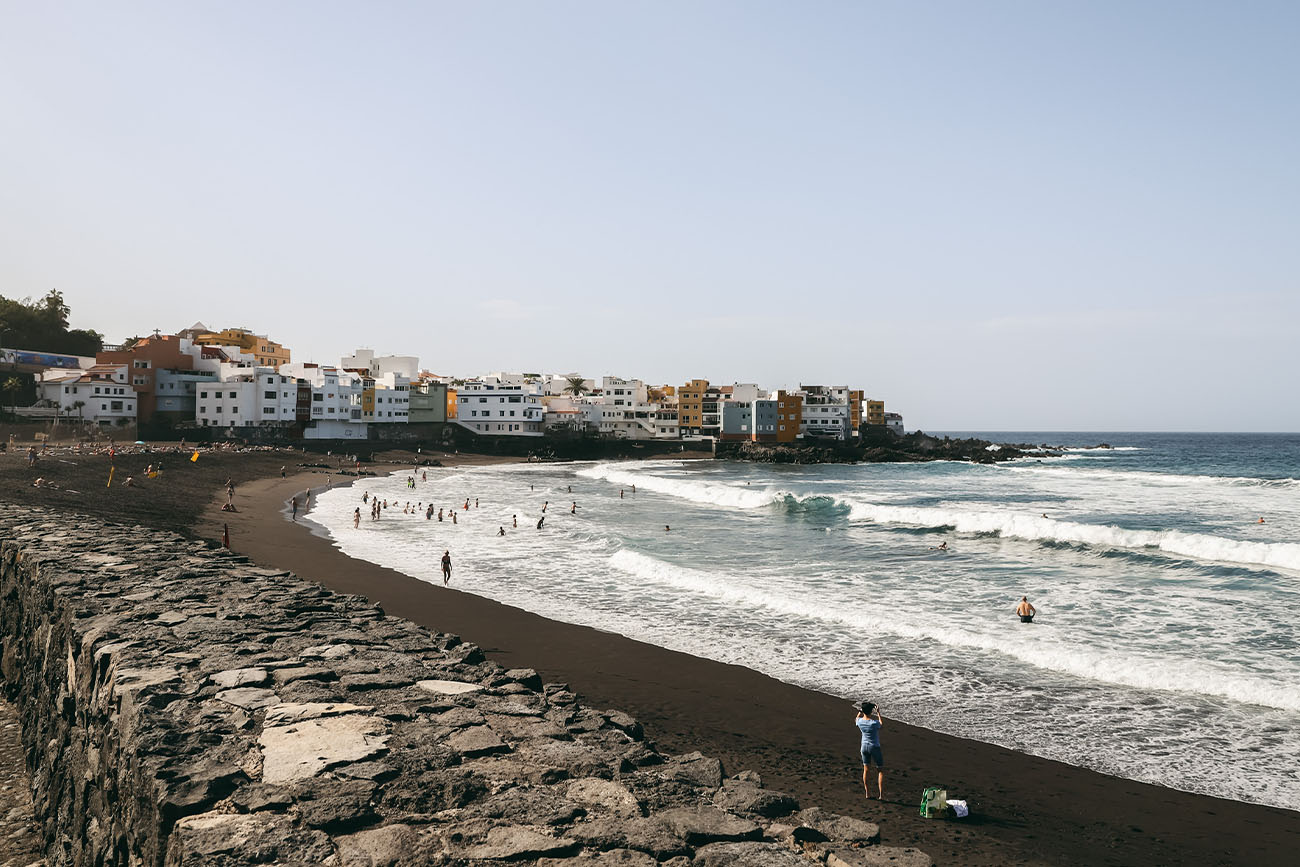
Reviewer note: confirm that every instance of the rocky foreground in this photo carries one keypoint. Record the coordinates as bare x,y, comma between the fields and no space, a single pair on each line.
182,706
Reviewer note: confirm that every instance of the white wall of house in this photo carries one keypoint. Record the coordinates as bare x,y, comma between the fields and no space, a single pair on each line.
492,408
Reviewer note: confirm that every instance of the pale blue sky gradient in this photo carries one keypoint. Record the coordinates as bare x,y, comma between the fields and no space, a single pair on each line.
997,215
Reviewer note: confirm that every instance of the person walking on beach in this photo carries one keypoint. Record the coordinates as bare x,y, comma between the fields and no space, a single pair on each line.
294,509
446,567
282,472
1025,610
869,723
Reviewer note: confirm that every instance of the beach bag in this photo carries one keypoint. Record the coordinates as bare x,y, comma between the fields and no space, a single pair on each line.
934,803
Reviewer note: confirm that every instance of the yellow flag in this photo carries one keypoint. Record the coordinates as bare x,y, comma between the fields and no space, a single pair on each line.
195,456
111,470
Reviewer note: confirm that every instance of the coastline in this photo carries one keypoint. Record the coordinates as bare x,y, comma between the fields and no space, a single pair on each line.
1026,809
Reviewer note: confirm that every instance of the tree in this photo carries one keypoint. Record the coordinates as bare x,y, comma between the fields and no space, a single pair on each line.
42,326
576,385
13,385
77,405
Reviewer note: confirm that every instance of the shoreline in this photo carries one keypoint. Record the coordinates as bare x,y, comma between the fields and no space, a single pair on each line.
1025,809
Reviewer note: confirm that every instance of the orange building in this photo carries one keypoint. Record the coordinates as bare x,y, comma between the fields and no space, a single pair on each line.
855,411
146,357
266,351
789,415
875,412
690,406
451,403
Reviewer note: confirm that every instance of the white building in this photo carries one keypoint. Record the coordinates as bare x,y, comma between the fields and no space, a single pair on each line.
826,411
365,360
490,406
894,422
100,394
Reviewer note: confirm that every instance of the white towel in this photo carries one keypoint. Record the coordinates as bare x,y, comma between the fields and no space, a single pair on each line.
959,808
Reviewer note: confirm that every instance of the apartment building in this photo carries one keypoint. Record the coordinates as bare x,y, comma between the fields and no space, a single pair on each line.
875,412
491,407
100,394
265,351
690,407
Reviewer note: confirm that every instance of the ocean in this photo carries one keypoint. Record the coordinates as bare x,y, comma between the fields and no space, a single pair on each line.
1167,644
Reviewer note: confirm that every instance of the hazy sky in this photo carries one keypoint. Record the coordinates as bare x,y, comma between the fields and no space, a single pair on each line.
992,215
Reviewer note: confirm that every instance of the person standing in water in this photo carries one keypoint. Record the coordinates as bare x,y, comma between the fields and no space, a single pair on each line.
356,518
446,568
869,723
1025,610
294,506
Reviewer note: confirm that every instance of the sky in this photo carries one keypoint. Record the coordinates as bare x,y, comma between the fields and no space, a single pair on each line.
993,215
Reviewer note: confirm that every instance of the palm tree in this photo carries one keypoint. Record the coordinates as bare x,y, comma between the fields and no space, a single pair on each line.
576,385
77,405
13,385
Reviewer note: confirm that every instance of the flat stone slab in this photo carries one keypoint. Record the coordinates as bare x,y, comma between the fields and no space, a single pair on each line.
291,712
249,697
326,651
476,741
304,749
749,854
517,843
239,677
614,797
879,856
448,687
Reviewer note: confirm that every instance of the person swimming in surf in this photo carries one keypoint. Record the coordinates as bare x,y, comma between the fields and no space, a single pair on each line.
1025,610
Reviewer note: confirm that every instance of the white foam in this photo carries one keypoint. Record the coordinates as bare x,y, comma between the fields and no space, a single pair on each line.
1130,669
731,496
1200,546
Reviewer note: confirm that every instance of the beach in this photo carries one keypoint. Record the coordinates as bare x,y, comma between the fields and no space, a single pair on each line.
1025,809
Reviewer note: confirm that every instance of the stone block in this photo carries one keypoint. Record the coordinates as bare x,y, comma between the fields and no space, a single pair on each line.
878,856
301,750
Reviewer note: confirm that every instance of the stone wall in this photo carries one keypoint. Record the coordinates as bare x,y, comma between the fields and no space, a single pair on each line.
180,705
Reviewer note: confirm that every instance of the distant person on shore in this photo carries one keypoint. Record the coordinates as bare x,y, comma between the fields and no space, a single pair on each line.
282,474
446,567
869,723
293,505
1025,610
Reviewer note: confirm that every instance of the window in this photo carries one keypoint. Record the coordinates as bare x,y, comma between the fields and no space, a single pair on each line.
203,394
103,406
203,409
318,397
268,410
96,389
234,410
233,394
218,410
268,395
140,364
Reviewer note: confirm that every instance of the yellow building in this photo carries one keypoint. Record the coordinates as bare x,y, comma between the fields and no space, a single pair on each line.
875,412
855,411
789,416
690,406
451,403
266,351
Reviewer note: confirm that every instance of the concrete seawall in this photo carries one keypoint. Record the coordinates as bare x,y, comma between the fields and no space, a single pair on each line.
180,705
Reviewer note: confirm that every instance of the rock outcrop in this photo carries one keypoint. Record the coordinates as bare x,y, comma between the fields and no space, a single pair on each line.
181,706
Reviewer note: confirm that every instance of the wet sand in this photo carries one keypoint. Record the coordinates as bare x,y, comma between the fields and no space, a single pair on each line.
1025,810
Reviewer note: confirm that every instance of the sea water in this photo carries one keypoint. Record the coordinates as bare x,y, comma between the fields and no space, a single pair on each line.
1166,644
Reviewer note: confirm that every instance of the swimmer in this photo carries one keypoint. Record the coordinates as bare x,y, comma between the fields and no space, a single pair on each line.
540,521
501,531
356,518
1025,610
1260,521
667,529
942,546
514,520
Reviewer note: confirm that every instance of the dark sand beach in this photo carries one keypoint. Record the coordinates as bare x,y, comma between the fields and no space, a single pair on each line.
1025,810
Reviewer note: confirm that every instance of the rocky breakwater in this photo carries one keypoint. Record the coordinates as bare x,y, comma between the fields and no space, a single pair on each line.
180,705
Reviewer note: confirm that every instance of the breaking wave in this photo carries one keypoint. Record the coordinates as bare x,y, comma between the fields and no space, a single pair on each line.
1149,673
1200,546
